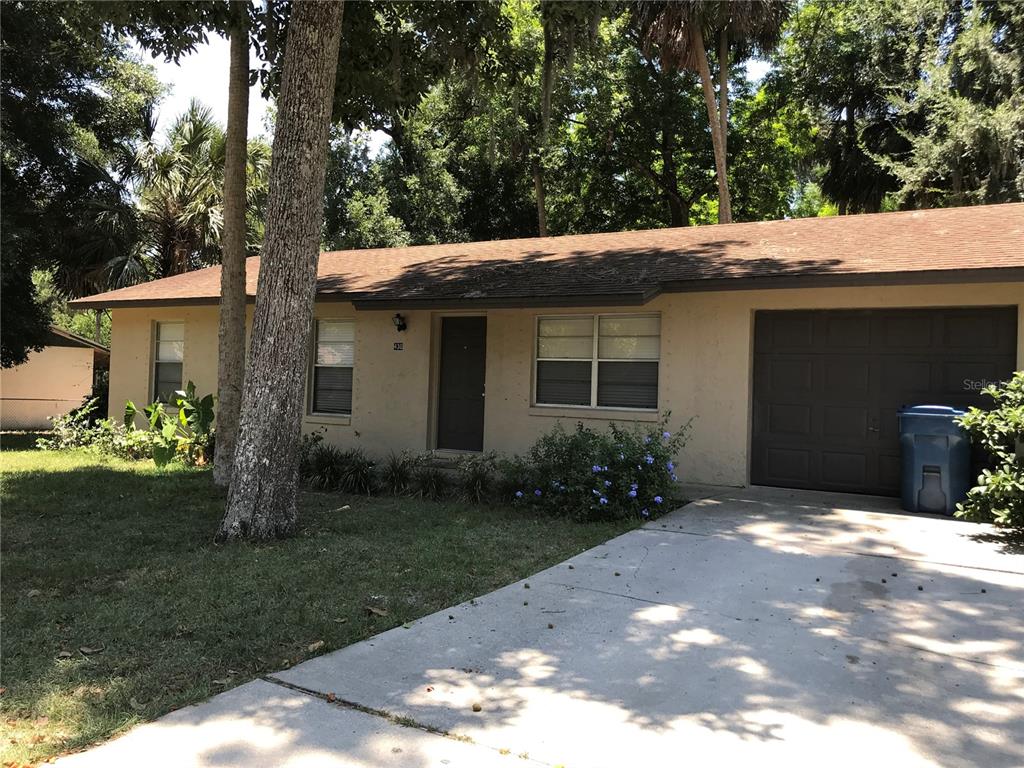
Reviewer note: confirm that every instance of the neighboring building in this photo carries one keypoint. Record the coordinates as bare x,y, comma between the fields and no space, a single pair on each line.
791,343
53,381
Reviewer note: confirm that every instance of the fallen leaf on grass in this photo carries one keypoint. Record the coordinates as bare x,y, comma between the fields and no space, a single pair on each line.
87,650
34,592
342,620
137,705
64,655
374,611
314,647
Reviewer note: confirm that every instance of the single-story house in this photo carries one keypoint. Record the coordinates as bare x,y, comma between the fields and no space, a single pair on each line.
56,379
792,344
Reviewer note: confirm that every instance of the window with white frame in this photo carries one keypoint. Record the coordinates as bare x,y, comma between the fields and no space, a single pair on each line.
332,367
602,361
168,353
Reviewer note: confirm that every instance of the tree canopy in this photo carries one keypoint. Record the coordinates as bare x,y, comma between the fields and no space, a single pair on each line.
505,118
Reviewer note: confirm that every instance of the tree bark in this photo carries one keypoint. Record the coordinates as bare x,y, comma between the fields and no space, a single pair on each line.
231,335
538,189
717,139
264,481
547,85
723,88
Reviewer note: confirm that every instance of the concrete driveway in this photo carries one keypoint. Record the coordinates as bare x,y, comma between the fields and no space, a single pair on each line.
752,627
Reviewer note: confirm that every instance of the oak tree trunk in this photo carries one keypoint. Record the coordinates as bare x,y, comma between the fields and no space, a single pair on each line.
717,137
231,336
264,480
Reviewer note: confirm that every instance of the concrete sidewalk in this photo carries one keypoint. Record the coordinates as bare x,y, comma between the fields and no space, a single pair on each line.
753,626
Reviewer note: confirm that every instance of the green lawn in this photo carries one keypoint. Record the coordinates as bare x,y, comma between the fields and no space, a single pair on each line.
117,608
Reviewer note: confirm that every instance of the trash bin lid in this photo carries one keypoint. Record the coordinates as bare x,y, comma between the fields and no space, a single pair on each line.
932,410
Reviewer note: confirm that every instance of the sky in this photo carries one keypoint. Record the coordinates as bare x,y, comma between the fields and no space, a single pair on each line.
203,75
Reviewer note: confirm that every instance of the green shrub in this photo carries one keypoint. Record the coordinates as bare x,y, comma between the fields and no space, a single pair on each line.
123,441
999,495
592,475
307,444
326,465
186,435
356,473
431,482
80,429
396,474
475,476
72,430
514,474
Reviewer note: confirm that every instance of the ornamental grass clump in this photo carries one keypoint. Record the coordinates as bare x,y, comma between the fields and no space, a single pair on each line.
613,474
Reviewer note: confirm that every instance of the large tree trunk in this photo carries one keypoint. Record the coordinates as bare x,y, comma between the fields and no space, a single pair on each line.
717,138
264,480
231,338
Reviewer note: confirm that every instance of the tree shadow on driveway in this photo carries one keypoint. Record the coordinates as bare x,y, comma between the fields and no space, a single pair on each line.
739,631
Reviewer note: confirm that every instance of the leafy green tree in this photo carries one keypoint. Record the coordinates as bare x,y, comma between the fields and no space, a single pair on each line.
72,100
963,119
634,154
357,207
690,34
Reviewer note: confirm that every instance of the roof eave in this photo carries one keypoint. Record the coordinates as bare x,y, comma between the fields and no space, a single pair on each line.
363,301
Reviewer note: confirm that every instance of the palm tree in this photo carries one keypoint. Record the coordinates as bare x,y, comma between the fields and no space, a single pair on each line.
736,29
231,324
180,187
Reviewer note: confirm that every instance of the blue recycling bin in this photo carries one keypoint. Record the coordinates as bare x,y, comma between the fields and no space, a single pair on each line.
935,459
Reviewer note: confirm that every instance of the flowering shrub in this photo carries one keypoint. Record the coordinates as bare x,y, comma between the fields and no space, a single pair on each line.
591,475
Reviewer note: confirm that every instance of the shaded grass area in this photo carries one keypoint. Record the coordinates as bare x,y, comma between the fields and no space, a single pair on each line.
117,607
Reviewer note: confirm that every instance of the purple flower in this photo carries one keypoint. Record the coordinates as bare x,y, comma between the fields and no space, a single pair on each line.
647,439
519,494
596,492
595,468
649,459
657,499
674,478
607,483
666,435
632,494
645,513
537,492
605,468
670,466
603,500
634,486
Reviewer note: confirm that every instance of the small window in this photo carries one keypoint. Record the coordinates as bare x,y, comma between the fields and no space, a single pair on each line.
606,361
332,367
170,348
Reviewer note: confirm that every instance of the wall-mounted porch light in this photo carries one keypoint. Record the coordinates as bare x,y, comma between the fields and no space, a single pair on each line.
399,322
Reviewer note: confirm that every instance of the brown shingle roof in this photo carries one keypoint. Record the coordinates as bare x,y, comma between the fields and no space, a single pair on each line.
951,244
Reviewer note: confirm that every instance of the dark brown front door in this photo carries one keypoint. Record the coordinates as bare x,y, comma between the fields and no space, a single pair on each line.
460,401
828,385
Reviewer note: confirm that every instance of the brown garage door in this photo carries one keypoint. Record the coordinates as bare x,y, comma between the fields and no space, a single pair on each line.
829,383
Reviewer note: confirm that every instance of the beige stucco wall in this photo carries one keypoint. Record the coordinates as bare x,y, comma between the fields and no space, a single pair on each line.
706,352
51,382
